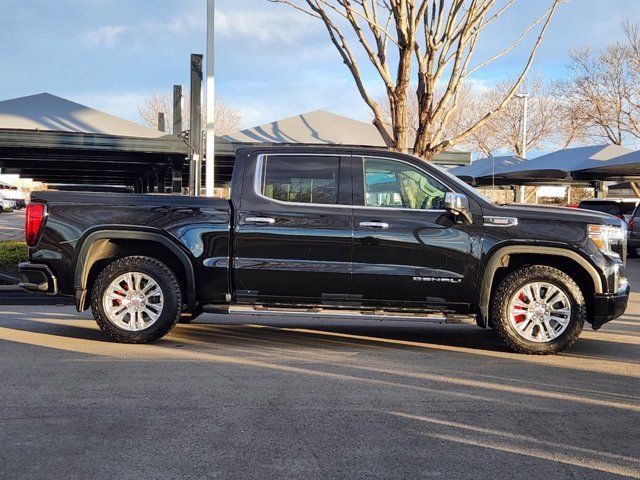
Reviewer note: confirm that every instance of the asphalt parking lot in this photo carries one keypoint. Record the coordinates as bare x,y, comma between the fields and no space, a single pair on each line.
227,398
12,225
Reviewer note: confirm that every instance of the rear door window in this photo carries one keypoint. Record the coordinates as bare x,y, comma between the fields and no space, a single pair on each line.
302,179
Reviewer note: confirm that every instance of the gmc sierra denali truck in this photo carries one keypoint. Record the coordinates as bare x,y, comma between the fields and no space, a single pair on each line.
328,230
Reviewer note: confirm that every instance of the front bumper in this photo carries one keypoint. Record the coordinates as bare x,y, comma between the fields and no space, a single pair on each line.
37,277
606,307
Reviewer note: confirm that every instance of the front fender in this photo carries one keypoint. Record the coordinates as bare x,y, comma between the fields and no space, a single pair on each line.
500,258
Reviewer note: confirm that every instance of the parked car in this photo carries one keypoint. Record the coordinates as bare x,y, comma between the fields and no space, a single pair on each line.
618,207
15,196
330,231
6,204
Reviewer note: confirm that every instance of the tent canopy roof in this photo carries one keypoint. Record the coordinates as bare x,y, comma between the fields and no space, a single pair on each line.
46,112
486,167
315,127
559,165
620,167
322,127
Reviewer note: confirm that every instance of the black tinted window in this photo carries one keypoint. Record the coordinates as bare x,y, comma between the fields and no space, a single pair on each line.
627,208
612,208
302,179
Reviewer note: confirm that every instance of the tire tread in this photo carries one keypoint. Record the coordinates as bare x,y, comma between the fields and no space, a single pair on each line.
134,263
501,297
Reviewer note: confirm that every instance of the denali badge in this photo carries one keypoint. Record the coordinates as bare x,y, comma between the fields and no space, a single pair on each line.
437,279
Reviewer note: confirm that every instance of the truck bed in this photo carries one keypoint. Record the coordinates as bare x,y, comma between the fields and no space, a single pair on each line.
197,226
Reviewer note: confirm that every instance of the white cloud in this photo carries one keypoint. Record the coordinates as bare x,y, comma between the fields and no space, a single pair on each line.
264,26
110,35
106,36
184,25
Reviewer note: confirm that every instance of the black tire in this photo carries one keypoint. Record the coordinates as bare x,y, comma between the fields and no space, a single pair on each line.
167,281
510,285
633,253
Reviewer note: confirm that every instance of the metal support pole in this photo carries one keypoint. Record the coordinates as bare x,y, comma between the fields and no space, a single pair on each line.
162,176
524,126
210,126
155,182
195,134
177,109
176,176
161,125
600,189
525,112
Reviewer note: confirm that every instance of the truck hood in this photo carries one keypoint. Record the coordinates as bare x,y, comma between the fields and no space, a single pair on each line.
544,212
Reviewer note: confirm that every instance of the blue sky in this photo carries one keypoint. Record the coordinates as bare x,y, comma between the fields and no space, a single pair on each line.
271,62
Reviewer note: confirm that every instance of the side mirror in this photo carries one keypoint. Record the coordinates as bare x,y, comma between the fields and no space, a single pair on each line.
458,205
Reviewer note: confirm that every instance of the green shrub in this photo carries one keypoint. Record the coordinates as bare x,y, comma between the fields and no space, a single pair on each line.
12,252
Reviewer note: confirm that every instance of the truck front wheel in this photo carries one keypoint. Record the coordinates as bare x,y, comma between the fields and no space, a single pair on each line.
538,310
136,300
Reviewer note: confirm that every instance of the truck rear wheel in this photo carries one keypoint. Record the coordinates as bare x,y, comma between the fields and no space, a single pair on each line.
538,310
136,300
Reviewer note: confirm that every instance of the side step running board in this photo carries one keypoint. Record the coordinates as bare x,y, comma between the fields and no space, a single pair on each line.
341,313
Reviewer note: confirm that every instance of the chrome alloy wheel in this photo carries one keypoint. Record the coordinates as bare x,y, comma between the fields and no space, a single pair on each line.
133,301
539,312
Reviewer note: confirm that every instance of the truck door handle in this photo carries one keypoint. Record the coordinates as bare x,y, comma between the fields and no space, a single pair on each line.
380,225
267,220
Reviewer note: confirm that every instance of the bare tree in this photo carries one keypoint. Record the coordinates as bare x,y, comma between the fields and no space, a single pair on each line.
572,123
602,92
461,116
601,97
227,119
504,130
440,37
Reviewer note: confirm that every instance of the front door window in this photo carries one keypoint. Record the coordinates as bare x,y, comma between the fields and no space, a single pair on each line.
399,185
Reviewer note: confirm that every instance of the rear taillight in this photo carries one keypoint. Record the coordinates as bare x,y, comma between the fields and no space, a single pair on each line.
34,220
630,226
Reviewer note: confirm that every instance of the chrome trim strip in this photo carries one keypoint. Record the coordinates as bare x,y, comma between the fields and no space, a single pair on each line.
258,185
381,225
493,221
267,220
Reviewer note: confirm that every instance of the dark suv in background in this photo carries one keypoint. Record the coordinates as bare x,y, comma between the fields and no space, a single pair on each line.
622,208
633,234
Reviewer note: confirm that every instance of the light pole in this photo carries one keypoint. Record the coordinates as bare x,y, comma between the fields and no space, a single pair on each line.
525,97
211,104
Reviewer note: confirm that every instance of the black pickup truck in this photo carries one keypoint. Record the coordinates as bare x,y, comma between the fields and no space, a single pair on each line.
330,231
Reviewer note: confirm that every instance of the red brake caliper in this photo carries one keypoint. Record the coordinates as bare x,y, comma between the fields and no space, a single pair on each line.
520,317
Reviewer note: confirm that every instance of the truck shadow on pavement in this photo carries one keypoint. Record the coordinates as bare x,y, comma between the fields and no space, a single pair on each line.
448,388
618,341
